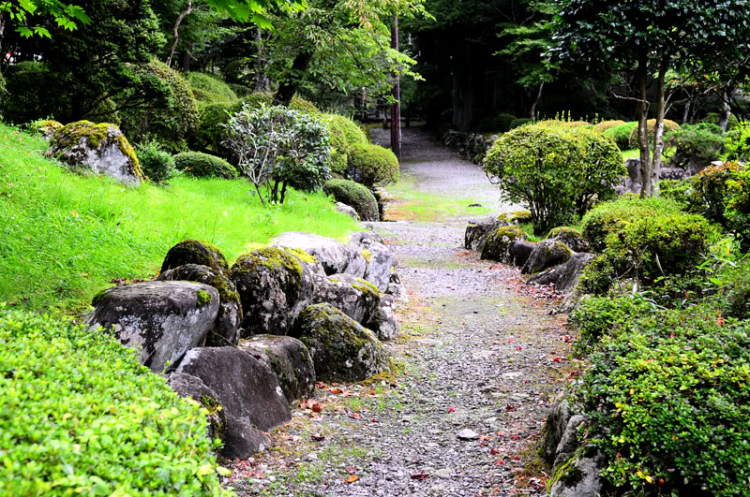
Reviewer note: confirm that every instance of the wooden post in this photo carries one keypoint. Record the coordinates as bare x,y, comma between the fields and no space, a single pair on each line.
396,107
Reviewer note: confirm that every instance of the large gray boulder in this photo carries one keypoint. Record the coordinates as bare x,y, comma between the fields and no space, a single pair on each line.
478,230
275,285
497,245
519,252
99,148
248,390
160,319
191,387
579,476
548,253
226,330
396,289
380,262
334,256
570,237
347,211
342,349
565,276
195,252
355,297
289,359
386,325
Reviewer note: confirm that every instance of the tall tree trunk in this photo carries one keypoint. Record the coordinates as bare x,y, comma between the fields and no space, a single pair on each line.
726,110
288,88
643,139
3,22
176,30
396,107
262,81
686,111
661,108
532,112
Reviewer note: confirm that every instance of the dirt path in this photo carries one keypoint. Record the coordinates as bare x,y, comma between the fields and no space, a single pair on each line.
479,351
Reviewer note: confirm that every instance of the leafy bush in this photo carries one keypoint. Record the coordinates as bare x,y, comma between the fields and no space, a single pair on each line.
620,134
556,172
202,165
499,123
45,127
669,126
737,212
681,192
711,186
738,143
354,195
94,422
558,123
666,400
715,118
607,125
344,135
607,217
698,144
29,85
210,89
277,147
521,121
372,164
173,122
156,163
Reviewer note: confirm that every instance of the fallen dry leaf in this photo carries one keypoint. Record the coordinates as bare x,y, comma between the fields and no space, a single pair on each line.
351,479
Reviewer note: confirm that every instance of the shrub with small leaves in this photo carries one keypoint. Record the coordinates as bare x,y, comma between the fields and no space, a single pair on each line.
669,126
81,416
738,143
607,125
620,134
712,186
372,164
202,165
156,163
697,145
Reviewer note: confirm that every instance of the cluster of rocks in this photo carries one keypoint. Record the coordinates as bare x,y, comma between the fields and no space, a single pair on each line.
471,146
557,261
246,341
632,183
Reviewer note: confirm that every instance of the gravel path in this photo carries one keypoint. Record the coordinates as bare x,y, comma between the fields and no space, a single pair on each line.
480,355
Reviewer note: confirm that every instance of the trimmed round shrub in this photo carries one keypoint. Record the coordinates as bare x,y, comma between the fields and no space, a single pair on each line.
682,193
173,123
607,217
354,195
372,164
344,135
210,89
556,172
557,123
607,125
665,399
695,145
620,134
156,163
669,126
82,416
521,121
202,165
711,187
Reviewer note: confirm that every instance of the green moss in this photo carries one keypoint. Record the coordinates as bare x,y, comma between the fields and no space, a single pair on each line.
367,287
274,259
367,255
563,230
204,298
567,472
301,255
71,135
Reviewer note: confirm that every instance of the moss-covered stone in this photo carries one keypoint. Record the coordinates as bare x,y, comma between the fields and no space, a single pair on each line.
195,252
45,127
341,348
203,299
547,254
570,237
496,246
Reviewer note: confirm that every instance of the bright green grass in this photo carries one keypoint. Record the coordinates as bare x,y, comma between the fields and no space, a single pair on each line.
64,237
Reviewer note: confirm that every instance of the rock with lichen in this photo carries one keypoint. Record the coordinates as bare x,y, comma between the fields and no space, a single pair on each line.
289,359
160,319
478,230
380,262
46,128
355,297
191,387
497,245
195,252
275,285
226,329
341,348
334,256
547,254
570,237
98,148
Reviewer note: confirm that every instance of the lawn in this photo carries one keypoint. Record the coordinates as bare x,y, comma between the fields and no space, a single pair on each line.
64,237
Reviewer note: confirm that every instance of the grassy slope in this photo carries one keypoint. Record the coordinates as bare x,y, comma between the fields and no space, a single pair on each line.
64,237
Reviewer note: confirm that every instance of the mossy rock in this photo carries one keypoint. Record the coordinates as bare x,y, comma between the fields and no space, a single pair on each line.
274,287
99,148
195,252
357,196
547,254
342,350
497,245
289,358
570,237
45,127
193,388
516,217
372,164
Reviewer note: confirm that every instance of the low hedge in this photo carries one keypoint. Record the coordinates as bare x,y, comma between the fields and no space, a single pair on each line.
371,164
81,417
698,144
202,165
620,134
607,125
344,135
210,89
666,400
669,126
354,195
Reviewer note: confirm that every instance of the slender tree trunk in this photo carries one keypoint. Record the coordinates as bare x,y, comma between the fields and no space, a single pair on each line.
643,139
396,107
532,112
661,107
3,22
176,30
288,88
262,81
726,110
686,112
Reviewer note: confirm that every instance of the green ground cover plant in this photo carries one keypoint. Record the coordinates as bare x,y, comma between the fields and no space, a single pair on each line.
64,237
95,422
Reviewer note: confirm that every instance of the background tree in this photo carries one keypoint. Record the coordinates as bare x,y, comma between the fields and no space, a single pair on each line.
693,36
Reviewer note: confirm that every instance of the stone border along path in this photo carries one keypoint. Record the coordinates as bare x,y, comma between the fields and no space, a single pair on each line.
480,357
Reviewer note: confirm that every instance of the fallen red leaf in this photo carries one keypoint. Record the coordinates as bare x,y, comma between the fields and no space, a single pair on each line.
336,391
499,463
316,407
354,415
351,479
419,476
556,359
451,409
494,452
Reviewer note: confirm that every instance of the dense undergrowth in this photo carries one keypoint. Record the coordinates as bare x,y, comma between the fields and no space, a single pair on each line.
64,237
